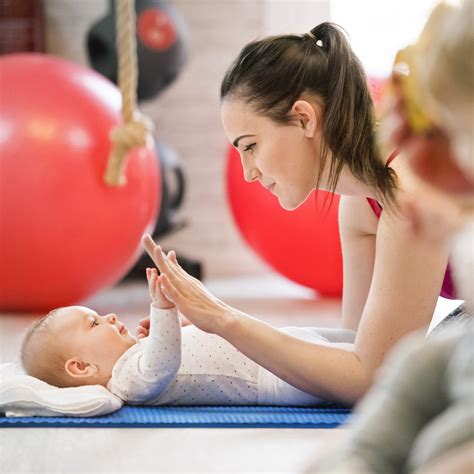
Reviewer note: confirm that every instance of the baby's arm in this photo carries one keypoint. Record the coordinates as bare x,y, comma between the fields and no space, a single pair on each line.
145,372
161,355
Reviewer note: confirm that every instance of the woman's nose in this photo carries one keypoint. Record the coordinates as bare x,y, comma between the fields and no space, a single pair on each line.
251,175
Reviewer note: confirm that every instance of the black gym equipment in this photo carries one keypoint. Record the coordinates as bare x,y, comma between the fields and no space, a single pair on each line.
161,46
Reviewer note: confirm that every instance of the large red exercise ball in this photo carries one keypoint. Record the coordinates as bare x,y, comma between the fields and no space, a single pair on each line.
162,45
303,245
64,234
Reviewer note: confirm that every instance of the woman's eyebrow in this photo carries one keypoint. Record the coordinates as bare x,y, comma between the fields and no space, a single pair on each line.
236,141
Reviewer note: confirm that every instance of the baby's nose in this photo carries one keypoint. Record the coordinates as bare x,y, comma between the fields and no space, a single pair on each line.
112,317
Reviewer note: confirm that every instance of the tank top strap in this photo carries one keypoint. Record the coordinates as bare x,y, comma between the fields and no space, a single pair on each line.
373,203
392,156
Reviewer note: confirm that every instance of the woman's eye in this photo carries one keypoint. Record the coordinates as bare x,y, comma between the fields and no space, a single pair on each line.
250,147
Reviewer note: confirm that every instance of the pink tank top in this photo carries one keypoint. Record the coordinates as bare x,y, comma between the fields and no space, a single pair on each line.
447,290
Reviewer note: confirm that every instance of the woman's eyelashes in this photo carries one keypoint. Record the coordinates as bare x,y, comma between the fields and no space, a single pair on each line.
250,147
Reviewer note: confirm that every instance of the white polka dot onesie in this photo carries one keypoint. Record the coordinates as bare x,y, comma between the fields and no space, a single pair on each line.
187,366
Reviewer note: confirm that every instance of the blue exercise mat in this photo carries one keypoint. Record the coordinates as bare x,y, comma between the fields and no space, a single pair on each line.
195,417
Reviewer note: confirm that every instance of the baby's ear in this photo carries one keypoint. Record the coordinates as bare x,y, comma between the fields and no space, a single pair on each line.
79,369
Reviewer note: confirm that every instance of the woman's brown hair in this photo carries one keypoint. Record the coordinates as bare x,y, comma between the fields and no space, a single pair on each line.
272,73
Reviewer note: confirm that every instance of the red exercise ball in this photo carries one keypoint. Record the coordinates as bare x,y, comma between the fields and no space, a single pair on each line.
302,245
64,234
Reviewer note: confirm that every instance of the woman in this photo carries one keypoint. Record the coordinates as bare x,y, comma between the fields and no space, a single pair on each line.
298,110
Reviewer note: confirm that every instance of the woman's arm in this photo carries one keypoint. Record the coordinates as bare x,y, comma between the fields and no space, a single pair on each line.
358,229
310,367
405,285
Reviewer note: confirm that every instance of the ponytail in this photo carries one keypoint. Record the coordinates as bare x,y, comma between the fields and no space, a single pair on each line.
273,73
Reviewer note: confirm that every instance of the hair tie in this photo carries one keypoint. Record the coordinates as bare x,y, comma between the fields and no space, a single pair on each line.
311,35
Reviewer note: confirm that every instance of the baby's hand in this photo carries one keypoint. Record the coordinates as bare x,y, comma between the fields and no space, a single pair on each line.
157,296
143,328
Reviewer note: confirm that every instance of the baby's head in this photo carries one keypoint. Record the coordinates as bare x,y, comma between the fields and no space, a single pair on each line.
74,346
447,75
444,86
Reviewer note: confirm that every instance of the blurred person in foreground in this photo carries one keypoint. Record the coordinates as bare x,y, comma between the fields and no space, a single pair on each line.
419,416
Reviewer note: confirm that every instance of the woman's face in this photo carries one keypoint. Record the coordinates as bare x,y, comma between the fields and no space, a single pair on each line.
281,157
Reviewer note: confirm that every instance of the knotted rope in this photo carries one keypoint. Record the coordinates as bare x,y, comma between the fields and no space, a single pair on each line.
136,128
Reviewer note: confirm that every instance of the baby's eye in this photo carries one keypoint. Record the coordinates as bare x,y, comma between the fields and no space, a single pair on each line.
94,323
250,147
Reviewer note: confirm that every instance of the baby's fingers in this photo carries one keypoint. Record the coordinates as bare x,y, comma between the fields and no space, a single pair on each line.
142,332
152,281
145,322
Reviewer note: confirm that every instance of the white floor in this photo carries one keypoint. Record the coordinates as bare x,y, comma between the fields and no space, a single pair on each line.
61,450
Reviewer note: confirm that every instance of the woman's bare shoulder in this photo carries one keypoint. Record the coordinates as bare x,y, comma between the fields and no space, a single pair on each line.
356,217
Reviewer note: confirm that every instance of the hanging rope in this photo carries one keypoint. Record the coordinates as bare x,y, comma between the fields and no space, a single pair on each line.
136,128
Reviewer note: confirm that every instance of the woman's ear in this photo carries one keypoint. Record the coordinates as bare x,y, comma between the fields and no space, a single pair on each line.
307,114
79,369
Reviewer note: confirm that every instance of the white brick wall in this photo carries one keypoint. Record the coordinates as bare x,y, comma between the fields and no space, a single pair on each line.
187,113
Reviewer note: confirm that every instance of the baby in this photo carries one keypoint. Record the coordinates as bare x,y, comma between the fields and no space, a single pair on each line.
167,365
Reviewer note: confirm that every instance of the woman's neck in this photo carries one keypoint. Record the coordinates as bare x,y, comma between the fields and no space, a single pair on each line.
349,185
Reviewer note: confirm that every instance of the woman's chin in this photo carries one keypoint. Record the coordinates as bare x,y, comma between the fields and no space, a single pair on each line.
289,205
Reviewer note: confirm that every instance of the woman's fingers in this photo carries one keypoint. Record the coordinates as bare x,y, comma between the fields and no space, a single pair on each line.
167,264
149,244
172,256
160,259
156,254
170,290
154,251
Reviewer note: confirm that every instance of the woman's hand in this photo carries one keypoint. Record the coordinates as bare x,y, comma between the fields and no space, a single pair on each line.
190,296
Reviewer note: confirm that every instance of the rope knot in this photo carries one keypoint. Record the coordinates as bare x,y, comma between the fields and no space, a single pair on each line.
136,129
124,138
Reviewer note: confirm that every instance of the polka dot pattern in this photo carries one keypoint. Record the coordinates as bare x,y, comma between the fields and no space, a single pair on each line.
186,366
146,369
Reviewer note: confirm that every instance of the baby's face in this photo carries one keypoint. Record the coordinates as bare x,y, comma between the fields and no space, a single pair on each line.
93,338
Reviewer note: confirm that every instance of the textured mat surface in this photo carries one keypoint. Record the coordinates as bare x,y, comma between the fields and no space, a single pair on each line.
196,417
